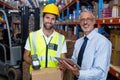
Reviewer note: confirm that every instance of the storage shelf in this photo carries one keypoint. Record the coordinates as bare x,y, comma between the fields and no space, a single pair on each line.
108,21
98,21
68,5
72,3
115,71
68,23
6,5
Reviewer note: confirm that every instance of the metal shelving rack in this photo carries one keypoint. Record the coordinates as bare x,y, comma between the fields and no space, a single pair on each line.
109,21
115,71
6,5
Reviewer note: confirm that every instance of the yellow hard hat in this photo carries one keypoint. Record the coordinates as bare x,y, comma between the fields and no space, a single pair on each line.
51,8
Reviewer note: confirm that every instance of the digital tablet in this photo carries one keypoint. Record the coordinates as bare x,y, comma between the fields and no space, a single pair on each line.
69,61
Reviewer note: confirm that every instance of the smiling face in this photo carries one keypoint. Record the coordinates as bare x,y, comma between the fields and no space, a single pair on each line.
87,21
49,21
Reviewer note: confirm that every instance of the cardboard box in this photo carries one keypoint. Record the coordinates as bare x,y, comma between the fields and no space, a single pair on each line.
47,74
70,48
115,39
115,58
69,34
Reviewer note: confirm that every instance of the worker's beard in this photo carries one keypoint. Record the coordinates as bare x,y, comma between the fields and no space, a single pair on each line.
48,26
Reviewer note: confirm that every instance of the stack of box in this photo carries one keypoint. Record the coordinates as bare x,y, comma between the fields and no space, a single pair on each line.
115,39
70,48
95,10
69,34
106,12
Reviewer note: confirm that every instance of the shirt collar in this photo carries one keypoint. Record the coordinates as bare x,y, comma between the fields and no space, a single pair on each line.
41,32
91,34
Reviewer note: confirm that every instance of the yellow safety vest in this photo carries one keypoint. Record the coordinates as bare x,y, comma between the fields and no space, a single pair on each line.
46,53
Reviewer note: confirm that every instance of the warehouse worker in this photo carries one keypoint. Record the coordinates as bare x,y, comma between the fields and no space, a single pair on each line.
46,43
94,59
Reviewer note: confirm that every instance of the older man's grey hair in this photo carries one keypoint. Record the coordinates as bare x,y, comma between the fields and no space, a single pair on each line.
85,10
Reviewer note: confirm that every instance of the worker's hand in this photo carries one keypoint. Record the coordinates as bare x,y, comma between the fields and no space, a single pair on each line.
61,66
27,57
74,68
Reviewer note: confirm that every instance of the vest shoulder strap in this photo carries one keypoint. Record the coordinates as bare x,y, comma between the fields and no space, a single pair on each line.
59,45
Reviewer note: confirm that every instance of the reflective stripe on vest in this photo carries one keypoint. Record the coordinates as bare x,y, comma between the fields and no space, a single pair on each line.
49,58
59,46
34,41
